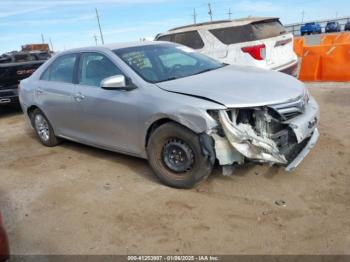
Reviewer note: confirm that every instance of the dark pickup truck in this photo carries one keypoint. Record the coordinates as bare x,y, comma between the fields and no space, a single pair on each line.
14,67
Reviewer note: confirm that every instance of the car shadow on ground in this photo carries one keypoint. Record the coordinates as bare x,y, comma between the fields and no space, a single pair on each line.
137,165
10,110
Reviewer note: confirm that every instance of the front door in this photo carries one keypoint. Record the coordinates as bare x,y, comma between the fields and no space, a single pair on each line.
107,118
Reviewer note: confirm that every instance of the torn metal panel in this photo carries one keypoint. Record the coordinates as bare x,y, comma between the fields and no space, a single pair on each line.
244,139
225,153
304,124
312,142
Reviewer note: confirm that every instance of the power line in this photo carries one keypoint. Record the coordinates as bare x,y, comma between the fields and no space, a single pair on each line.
302,16
51,44
95,38
229,14
210,13
99,26
194,16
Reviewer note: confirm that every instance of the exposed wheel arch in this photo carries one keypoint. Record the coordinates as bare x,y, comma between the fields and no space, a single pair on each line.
154,126
30,111
159,122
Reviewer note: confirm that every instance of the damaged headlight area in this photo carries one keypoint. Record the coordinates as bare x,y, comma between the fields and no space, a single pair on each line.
254,134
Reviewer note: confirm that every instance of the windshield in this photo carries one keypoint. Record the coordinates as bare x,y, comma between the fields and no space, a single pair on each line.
159,63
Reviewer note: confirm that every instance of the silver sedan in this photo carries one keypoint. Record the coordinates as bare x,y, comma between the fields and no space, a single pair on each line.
179,109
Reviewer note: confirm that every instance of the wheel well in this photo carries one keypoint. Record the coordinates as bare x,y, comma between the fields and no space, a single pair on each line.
30,111
154,126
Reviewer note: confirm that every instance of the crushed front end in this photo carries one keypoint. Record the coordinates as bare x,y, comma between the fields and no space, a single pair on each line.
278,134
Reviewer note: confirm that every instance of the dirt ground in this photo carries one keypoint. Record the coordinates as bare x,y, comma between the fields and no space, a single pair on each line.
74,199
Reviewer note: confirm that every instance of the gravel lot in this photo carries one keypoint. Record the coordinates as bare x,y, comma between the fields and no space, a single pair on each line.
74,199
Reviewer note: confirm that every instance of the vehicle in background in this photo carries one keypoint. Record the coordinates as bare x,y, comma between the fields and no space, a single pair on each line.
14,67
177,108
259,42
36,47
347,26
310,28
333,26
4,244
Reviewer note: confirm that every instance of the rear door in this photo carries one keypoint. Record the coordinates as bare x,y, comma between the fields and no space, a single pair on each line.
55,95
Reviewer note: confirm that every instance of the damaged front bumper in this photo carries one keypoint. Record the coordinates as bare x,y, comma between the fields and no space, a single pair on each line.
311,143
267,136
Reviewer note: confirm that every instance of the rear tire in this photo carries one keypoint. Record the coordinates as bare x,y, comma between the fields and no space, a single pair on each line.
175,155
43,129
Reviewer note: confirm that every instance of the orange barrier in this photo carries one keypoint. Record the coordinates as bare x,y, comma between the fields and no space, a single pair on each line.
299,45
326,63
332,39
329,61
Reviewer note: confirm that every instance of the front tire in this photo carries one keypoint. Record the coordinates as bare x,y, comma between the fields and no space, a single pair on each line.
175,155
43,129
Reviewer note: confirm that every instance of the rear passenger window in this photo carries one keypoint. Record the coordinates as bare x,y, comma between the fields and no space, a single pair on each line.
166,38
61,70
251,32
234,35
191,39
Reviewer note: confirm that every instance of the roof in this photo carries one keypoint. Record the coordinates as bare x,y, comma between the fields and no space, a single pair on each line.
220,23
113,46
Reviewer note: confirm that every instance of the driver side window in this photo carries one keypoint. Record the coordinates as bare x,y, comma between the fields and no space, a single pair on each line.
95,67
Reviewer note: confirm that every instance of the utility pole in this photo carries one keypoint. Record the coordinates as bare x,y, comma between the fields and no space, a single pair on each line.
95,37
302,16
210,13
99,26
194,16
42,38
51,44
229,14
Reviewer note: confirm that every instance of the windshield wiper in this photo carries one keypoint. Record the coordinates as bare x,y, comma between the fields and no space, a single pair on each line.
168,79
209,69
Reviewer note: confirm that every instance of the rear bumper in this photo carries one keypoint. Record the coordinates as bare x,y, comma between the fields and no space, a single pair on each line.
9,96
290,68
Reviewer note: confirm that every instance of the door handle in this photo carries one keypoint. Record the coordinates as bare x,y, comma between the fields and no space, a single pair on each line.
78,97
39,91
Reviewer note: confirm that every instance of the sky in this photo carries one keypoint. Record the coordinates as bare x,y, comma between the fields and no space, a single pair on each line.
72,23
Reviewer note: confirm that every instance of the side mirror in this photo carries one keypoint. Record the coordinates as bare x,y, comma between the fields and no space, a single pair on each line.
117,82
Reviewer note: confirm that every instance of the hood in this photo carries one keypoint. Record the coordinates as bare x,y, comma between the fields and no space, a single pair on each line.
236,86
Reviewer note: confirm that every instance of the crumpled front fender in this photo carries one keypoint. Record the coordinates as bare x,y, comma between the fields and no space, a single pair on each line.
243,138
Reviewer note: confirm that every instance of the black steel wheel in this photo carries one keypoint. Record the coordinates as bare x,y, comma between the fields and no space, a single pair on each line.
176,156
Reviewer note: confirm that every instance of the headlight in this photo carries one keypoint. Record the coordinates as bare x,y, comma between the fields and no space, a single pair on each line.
306,96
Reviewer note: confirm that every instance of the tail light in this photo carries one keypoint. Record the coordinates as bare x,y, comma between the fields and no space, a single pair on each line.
258,52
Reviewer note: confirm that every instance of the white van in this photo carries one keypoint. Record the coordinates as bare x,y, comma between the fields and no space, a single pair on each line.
260,42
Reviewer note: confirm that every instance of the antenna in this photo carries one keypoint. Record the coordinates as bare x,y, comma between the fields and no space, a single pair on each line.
42,38
99,26
229,14
210,13
194,16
